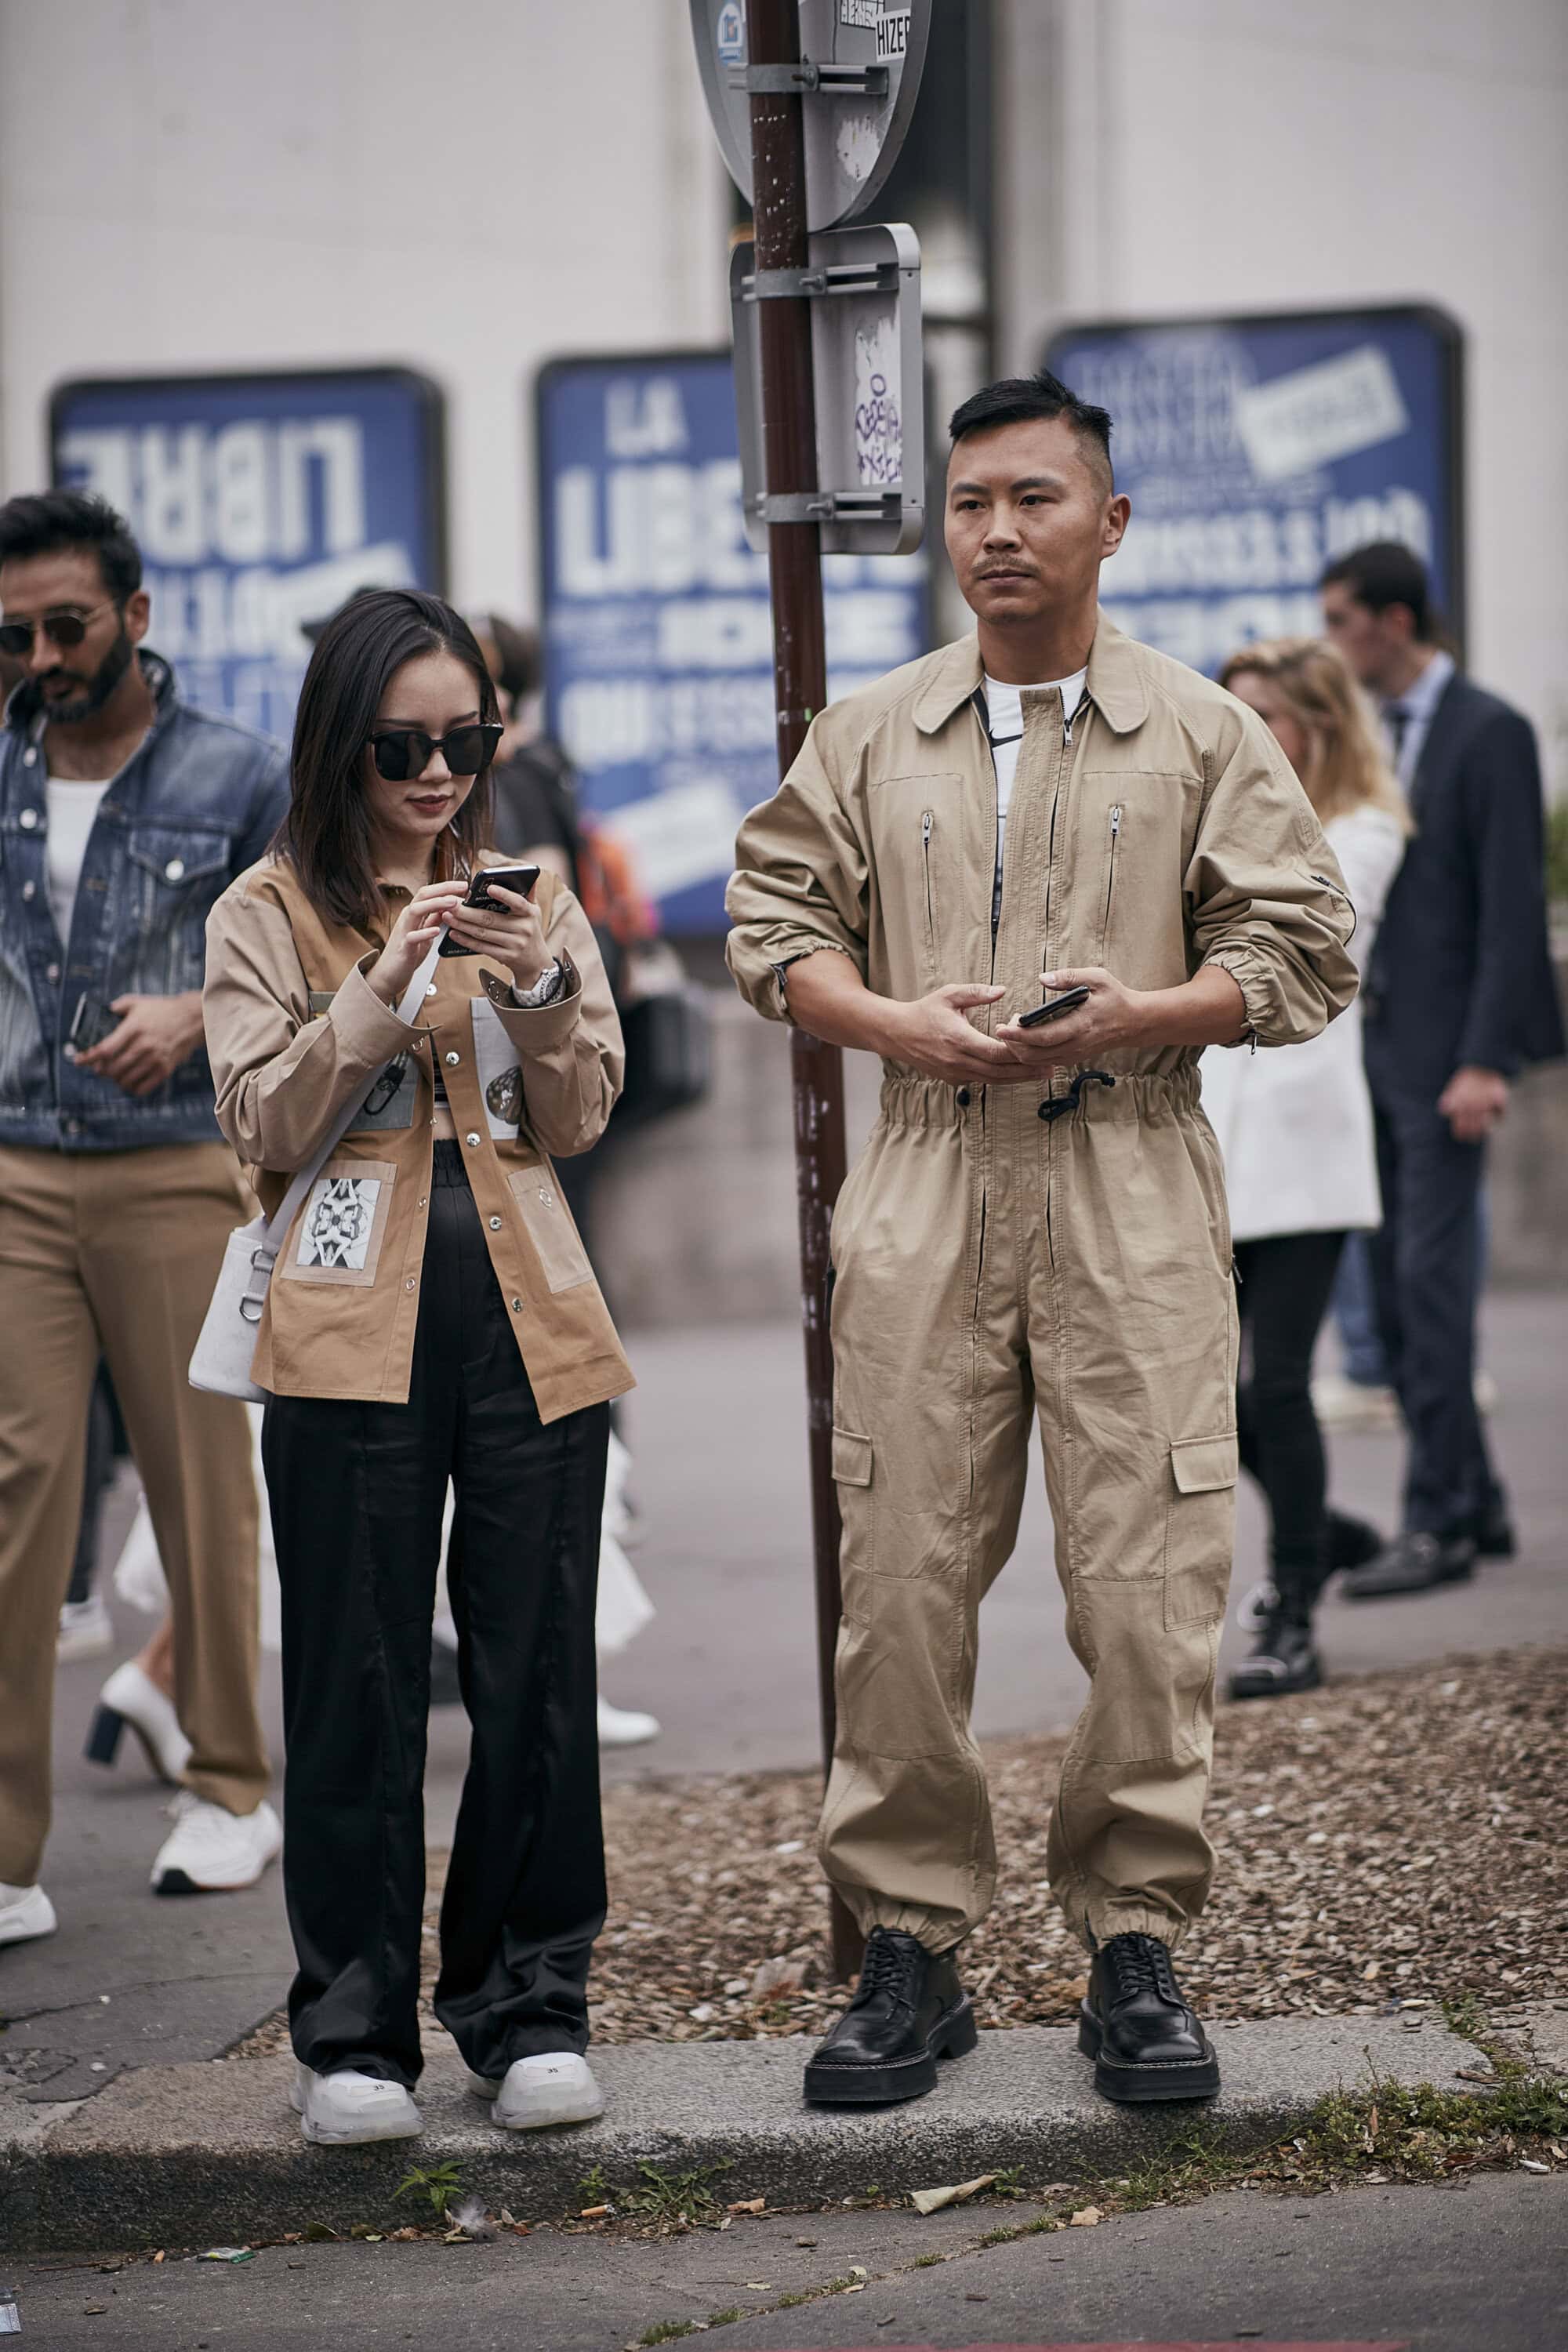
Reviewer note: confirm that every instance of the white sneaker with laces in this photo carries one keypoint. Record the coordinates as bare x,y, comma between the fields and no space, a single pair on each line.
87,1631
25,1911
347,2109
622,1727
212,1850
556,2088
132,1696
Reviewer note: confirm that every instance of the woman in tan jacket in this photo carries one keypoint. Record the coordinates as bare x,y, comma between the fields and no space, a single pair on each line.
432,1318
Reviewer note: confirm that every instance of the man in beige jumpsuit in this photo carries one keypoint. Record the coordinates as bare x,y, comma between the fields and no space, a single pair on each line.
1036,1225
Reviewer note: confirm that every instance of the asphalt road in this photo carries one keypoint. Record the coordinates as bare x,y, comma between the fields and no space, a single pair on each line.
1436,2270
717,1430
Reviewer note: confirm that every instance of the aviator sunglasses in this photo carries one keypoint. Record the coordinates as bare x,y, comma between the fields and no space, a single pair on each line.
61,629
405,752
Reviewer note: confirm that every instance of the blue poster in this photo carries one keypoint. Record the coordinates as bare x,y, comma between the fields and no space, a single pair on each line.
1255,450
260,502
658,635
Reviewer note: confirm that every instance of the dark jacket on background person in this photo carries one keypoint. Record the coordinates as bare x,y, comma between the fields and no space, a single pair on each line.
1461,972
195,806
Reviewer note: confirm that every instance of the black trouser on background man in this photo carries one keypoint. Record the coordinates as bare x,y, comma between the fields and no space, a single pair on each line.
1425,1271
357,1493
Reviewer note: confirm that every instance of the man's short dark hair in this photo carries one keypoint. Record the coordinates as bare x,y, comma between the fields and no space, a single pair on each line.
1384,572
1018,399
44,523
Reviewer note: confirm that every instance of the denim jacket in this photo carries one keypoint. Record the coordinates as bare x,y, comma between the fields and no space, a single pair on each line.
196,802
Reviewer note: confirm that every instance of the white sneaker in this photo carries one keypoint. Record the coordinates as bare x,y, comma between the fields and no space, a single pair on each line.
87,1631
1342,1403
622,1727
130,1697
347,2108
212,1850
556,2088
25,1911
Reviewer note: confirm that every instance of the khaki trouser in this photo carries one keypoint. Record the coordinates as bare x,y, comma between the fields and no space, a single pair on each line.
116,1254
989,1266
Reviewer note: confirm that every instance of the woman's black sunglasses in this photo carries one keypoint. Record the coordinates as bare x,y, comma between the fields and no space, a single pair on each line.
405,752
60,628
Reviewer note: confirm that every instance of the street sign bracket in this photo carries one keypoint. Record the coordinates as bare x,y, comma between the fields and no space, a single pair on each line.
827,506
809,79
813,285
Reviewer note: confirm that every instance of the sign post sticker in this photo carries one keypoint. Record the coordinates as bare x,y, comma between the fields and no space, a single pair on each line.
1256,450
730,34
259,503
657,627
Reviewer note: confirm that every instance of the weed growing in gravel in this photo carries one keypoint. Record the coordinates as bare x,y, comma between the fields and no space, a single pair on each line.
440,2185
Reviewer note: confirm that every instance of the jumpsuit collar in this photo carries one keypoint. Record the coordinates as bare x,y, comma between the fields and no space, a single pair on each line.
1115,685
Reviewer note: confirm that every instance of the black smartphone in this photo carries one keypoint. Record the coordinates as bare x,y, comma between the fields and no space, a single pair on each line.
91,1022
518,878
1053,1008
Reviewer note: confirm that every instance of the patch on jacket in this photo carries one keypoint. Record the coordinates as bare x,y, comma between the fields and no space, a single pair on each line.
501,1079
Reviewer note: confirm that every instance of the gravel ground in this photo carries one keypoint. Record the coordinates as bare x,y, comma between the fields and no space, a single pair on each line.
1391,1838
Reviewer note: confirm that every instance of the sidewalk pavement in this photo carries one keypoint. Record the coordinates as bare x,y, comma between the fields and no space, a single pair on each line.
197,2155
717,1429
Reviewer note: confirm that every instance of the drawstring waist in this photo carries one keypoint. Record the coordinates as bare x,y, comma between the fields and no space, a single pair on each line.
908,1101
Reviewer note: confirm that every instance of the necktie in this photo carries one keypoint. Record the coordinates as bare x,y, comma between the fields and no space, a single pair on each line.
1398,722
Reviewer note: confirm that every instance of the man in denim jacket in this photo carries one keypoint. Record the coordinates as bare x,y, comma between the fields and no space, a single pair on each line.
124,815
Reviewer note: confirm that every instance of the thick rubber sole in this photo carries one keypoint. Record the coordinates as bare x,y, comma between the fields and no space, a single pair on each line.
1245,1684
1140,2086
830,2086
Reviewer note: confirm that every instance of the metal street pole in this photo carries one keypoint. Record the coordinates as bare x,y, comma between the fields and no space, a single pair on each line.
800,680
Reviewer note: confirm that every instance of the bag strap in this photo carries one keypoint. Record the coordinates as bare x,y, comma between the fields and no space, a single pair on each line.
275,1230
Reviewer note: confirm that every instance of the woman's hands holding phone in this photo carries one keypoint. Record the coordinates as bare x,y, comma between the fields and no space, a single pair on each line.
412,937
512,931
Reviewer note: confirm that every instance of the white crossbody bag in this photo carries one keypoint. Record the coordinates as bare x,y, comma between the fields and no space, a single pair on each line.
222,1358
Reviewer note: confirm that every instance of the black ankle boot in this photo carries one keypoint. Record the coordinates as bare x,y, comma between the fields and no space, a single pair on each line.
1284,1657
1145,2041
909,2011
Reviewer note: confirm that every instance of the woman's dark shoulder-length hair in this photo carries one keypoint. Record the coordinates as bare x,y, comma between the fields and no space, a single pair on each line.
326,832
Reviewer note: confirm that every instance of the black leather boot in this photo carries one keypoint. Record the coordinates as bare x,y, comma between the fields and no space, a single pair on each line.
909,2011
1145,2041
1284,1658
1414,1562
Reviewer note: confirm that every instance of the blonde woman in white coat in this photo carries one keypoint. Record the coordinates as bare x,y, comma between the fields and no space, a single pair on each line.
1296,1132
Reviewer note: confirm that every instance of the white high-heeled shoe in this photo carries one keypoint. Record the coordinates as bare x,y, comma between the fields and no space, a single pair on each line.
130,1697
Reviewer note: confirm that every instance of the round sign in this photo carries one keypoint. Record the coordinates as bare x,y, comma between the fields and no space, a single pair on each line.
853,131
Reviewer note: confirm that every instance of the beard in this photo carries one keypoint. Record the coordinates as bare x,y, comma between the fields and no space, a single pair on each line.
71,711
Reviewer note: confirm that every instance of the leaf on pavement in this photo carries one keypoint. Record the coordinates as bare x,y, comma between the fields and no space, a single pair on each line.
932,2200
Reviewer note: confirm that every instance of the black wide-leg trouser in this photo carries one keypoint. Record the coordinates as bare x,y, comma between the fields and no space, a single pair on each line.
357,1496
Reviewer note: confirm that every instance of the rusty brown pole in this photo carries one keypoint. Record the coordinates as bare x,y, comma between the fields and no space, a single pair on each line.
800,684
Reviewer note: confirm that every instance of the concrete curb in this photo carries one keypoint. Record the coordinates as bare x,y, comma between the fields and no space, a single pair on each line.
198,2155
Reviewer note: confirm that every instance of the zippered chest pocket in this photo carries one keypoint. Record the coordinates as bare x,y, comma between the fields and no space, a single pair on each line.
928,831
1114,842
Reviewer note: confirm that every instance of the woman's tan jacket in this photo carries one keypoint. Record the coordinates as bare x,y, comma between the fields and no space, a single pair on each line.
295,1031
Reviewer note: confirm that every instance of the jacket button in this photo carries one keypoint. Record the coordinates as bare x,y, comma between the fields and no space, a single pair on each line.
29,892
962,1097
409,1284
431,990
30,756
53,973
28,820
175,870
471,1140
422,1204
517,1306
494,1224
453,1060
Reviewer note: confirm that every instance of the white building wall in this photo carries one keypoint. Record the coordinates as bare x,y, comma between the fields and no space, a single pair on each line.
190,185
1163,157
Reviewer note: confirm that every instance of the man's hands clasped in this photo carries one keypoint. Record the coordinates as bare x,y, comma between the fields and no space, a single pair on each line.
936,1036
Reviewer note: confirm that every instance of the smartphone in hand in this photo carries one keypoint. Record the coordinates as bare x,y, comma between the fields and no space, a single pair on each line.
1054,1008
519,879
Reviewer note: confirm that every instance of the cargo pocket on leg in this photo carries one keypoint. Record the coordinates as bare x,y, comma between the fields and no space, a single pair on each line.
853,1460
1200,1529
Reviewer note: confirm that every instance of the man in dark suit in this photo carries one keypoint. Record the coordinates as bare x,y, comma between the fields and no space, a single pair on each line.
1458,997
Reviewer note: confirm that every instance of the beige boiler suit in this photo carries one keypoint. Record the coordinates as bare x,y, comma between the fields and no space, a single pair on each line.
1058,1248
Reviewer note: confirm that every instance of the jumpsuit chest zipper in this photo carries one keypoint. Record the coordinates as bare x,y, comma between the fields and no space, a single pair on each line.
928,825
1110,879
